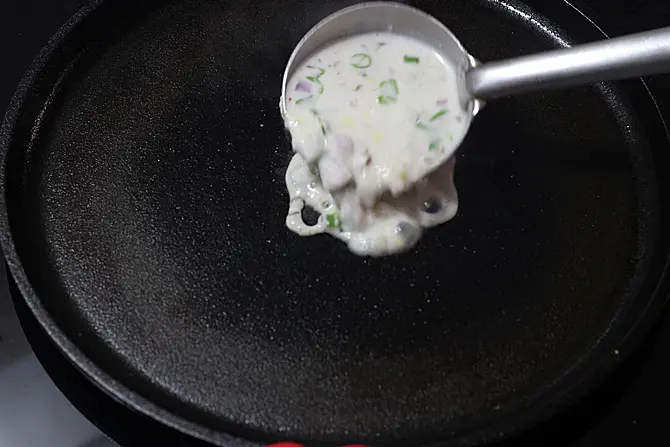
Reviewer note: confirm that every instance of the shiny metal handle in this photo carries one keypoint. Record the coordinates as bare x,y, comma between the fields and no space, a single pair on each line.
623,57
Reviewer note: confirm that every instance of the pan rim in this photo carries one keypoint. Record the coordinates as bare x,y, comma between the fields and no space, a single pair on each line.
135,401
105,382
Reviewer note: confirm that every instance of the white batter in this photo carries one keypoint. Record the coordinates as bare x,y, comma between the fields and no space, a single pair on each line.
369,117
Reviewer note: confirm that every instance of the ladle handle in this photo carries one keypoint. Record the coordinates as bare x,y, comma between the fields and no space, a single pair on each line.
629,56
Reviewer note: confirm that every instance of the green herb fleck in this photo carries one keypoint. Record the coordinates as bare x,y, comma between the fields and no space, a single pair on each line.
389,91
434,145
361,60
333,220
411,59
303,99
438,115
358,87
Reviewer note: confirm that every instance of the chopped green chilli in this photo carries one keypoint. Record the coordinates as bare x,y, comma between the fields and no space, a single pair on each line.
361,60
333,220
393,83
389,91
411,59
438,115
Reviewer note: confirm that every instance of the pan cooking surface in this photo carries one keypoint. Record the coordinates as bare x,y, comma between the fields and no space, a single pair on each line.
148,214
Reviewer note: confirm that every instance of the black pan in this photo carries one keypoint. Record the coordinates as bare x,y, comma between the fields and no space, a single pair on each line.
142,219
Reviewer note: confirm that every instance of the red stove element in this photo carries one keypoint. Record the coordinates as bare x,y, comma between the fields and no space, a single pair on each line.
295,444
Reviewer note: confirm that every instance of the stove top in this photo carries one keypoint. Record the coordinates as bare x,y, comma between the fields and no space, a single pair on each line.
631,408
33,412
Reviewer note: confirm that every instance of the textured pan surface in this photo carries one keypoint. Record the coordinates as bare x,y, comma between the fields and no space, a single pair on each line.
144,195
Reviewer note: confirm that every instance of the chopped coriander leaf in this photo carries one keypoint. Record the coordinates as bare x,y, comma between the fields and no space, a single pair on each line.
411,59
361,60
438,115
434,145
385,99
333,220
358,87
315,78
420,124
324,127
303,99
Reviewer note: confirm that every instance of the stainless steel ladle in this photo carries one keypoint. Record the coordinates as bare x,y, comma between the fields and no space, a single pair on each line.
630,56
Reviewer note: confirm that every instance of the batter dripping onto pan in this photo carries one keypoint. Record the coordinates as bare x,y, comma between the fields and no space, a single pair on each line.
369,116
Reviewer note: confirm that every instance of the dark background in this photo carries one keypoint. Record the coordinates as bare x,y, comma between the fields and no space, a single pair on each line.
631,408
